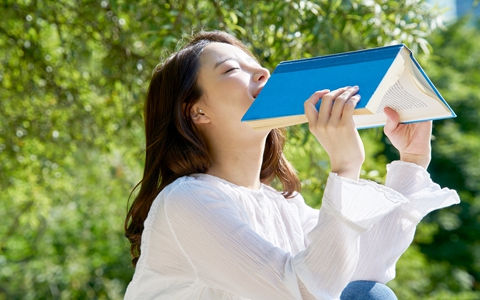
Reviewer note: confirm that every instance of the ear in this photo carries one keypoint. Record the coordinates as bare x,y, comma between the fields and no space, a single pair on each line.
199,116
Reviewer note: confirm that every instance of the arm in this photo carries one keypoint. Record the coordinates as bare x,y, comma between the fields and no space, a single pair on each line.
334,128
227,254
382,246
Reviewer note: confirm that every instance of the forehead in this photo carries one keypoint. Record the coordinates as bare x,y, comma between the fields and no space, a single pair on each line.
215,52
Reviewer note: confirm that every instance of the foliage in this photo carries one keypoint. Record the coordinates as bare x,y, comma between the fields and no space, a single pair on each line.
73,76
446,249
456,159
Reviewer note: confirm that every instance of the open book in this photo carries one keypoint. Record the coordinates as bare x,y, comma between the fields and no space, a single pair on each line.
387,76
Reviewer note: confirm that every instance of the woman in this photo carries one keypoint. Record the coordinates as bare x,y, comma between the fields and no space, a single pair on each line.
207,225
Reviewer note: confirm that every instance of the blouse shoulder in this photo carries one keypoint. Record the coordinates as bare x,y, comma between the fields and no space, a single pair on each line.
186,184
199,191
196,187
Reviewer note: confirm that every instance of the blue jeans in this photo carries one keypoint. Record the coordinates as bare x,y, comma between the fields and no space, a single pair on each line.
367,290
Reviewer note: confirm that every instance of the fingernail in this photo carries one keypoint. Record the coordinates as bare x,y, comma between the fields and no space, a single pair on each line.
355,87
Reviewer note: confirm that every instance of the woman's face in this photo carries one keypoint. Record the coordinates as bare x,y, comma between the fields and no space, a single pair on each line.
231,80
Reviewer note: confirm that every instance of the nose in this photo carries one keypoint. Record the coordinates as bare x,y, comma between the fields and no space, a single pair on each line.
261,74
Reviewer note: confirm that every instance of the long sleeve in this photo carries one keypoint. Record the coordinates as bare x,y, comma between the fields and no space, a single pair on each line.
424,196
382,246
227,254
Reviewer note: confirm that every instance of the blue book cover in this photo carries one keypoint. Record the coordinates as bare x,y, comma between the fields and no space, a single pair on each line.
293,82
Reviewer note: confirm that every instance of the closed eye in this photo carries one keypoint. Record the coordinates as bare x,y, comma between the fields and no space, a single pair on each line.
231,69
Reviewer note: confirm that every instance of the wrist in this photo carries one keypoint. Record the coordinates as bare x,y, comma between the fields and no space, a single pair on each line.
421,160
350,173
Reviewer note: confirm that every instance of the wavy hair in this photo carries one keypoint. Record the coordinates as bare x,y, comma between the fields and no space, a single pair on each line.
174,146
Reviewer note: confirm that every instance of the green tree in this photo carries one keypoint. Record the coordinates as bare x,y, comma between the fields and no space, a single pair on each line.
73,76
448,239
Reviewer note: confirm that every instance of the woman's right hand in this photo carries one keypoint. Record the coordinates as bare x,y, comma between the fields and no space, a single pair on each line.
334,128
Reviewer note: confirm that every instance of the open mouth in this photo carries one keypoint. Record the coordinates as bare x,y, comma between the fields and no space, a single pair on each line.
255,95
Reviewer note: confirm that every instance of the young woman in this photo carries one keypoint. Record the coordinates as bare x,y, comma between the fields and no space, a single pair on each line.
207,225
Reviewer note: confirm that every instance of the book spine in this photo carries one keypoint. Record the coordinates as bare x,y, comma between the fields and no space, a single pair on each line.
339,59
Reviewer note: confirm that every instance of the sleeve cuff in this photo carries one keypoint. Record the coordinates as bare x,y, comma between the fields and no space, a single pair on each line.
406,178
414,182
428,200
360,204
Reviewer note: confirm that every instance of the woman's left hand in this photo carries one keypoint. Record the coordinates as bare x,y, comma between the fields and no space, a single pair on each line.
411,140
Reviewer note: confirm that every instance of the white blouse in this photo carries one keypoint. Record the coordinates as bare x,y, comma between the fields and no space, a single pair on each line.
206,238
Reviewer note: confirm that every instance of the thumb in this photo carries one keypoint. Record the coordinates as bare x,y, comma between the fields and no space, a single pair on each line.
392,120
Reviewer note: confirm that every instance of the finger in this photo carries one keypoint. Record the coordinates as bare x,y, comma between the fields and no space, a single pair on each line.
327,103
349,107
392,120
339,105
310,105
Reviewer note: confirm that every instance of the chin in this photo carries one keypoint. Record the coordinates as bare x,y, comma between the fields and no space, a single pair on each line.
264,132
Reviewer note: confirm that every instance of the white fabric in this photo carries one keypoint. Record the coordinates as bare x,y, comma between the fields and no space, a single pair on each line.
206,238
395,232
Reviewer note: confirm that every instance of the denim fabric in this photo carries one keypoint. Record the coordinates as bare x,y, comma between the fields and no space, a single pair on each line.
367,290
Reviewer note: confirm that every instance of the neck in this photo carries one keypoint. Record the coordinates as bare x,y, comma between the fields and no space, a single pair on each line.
238,165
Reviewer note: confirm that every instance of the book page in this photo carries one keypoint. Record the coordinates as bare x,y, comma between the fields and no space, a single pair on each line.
420,81
410,101
395,71
405,94
398,91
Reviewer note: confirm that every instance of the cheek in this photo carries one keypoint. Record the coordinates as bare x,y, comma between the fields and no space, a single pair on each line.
229,110
229,98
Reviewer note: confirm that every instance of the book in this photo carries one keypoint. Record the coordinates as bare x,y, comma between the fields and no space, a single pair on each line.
386,76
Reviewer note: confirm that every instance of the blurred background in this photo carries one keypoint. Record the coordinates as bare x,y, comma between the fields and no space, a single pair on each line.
73,77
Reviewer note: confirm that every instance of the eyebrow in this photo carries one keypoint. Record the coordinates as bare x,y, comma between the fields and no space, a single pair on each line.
222,61
234,59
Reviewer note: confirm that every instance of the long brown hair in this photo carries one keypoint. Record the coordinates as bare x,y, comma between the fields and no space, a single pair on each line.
174,147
